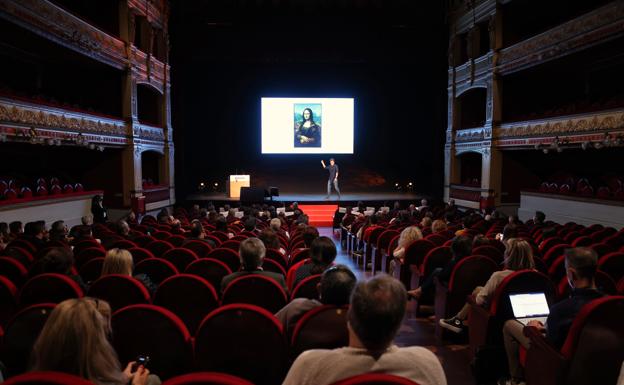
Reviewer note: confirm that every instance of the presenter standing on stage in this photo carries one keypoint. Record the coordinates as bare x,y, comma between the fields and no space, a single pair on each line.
333,177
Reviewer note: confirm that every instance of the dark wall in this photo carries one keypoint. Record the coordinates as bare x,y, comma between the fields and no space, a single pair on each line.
392,61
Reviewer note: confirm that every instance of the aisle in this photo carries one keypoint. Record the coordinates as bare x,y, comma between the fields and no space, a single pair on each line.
418,331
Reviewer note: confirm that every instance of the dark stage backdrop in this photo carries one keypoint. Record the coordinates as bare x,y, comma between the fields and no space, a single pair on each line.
391,58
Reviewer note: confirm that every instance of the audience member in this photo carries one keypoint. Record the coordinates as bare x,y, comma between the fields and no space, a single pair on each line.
335,288
375,315
75,340
480,240
438,225
222,226
310,233
580,264
425,223
16,230
271,241
538,219
250,225
100,214
408,235
322,254
35,233
197,233
58,260
518,256
119,261
461,247
251,254
58,232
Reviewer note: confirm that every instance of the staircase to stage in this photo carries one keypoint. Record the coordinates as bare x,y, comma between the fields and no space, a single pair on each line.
320,215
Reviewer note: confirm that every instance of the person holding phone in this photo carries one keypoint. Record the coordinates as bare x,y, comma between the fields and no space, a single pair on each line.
333,177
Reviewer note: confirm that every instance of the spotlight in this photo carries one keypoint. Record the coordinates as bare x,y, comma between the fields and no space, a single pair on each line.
202,184
410,184
216,184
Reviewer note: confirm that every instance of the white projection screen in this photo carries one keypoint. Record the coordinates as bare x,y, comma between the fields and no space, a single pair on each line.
307,125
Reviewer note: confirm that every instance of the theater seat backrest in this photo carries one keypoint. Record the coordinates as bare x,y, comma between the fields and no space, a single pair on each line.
523,281
255,289
307,288
212,270
157,269
324,327
49,288
119,291
47,378
207,378
156,332
245,341
595,343
375,379
227,256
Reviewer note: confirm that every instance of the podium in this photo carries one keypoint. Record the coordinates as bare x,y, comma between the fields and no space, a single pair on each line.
235,183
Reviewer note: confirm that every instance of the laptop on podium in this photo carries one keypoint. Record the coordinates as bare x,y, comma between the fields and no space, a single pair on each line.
529,306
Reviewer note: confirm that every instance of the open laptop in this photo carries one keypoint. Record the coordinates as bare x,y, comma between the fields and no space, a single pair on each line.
529,306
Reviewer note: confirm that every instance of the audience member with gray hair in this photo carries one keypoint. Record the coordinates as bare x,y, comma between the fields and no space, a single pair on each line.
376,313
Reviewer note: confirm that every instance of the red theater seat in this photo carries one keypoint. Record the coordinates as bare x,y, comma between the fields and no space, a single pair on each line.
212,270
158,247
189,297
139,254
245,341
592,353
613,264
276,256
375,379
273,266
156,332
85,255
13,270
8,300
91,270
180,257
299,255
307,288
227,256
489,251
20,335
256,290
201,249
231,244
119,291
156,269
48,288
207,378
324,327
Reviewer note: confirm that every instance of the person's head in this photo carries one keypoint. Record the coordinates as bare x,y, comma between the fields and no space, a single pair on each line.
58,230
451,202
35,229
323,251
332,161
276,224
438,225
423,202
197,229
425,222
539,217
336,285
307,114
83,231
117,261
269,239
16,227
461,246
87,220
518,255
97,200
251,253
581,264
221,224
250,224
397,205
75,340
4,229
310,233
123,228
409,235
376,312
58,260
513,219
480,240
131,216
510,231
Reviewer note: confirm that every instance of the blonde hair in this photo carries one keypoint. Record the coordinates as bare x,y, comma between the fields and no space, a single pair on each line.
276,224
409,235
519,255
74,340
117,261
425,222
438,225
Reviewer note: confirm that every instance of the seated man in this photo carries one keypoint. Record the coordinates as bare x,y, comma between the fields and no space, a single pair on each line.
334,289
322,255
197,233
251,254
581,264
376,313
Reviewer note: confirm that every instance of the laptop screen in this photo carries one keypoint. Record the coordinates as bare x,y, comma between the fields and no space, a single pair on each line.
529,305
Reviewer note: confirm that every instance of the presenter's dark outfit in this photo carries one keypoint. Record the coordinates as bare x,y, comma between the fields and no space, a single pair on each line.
333,171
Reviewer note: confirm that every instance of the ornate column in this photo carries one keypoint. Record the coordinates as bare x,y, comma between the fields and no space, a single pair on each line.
491,168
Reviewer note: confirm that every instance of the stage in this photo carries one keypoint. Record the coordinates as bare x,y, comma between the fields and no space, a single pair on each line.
373,198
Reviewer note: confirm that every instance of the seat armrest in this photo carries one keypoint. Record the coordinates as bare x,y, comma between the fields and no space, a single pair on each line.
544,363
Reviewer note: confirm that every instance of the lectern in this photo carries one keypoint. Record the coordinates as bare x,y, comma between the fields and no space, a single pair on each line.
235,183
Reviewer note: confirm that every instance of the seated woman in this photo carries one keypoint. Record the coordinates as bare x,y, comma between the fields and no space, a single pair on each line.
75,340
518,256
119,261
322,253
408,235
438,225
58,260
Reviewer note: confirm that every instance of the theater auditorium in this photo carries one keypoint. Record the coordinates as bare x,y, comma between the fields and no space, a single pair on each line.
311,192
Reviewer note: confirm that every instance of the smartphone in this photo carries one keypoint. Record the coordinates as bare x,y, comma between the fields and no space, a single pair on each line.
140,360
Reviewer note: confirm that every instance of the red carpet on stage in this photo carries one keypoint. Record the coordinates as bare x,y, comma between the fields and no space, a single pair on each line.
320,215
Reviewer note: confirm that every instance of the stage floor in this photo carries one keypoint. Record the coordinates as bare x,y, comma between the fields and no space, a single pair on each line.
318,198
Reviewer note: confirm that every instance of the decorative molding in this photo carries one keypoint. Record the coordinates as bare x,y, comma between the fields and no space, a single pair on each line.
564,125
54,23
144,131
470,135
154,10
24,114
597,26
463,17
472,71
